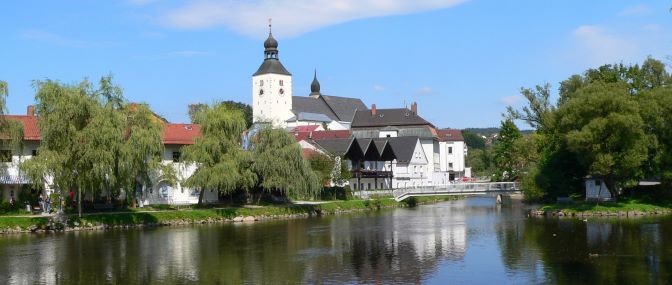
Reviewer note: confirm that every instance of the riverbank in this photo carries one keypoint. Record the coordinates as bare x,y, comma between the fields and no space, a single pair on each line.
138,218
624,208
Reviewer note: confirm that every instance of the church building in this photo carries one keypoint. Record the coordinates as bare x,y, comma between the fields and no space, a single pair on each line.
273,101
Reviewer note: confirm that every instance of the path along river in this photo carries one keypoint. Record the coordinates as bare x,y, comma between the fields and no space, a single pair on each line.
470,241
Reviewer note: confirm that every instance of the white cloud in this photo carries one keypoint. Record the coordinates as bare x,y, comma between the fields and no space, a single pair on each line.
652,27
291,17
141,2
510,100
425,91
597,47
635,10
59,40
378,88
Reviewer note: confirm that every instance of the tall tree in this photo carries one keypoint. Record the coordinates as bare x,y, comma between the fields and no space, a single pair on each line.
12,131
221,163
603,127
244,108
505,152
473,140
280,166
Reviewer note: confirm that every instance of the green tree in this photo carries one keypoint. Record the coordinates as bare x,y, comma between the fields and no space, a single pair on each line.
603,127
244,108
323,165
280,166
221,163
505,152
11,131
473,140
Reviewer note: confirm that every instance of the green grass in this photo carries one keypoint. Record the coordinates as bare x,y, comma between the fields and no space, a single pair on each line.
23,223
169,214
620,206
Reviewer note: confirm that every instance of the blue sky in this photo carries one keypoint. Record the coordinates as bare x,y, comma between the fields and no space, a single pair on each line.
462,61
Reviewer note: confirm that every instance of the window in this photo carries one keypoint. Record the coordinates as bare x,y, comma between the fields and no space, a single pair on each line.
281,83
450,149
261,83
369,184
450,165
388,135
176,156
597,183
5,155
33,152
381,185
355,186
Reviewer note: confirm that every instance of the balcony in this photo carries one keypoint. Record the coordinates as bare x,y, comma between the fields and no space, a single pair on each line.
365,173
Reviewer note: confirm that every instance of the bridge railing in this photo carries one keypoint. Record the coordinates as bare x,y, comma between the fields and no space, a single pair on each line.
457,188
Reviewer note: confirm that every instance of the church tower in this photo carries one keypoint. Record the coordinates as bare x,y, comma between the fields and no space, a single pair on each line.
271,87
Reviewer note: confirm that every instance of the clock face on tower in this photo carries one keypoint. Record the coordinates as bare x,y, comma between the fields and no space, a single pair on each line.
261,92
282,92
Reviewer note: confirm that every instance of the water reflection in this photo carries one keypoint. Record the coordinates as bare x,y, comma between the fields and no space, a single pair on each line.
468,241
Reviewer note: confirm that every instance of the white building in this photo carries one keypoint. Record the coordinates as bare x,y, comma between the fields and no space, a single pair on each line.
175,136
453,152
272,99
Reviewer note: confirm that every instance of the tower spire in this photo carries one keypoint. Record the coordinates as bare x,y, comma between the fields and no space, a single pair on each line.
270,45
315,86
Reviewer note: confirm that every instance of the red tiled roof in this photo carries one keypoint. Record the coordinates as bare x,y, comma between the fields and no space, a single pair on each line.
172,133
316,135
180,133
450,135
30,130
309,128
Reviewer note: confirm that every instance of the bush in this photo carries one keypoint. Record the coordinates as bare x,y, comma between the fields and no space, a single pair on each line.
336,193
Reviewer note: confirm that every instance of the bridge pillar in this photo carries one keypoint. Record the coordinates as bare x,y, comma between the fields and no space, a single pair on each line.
508,199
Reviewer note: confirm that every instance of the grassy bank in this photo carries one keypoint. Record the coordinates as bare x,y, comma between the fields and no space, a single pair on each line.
624,208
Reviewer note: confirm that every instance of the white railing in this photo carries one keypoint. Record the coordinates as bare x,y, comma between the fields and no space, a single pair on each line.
456,189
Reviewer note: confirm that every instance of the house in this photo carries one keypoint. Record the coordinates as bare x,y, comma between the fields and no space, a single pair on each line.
175,136
452,151
596,189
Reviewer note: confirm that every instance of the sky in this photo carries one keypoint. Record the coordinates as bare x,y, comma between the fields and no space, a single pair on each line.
462,61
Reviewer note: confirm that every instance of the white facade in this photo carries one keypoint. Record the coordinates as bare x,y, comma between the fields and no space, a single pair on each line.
452,155
272,98
596,189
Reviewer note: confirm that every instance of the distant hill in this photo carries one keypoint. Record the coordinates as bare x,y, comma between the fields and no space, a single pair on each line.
489,132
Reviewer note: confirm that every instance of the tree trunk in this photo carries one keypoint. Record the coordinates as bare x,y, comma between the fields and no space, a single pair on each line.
611,184
79,201
200,197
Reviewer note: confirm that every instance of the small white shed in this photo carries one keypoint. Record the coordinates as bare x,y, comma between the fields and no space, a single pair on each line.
596,189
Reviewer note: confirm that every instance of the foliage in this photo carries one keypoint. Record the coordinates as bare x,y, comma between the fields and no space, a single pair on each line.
481,162
323,165
194,109
611,121
336,193
221,163
91,141
12,131
280,167
473,140
504,152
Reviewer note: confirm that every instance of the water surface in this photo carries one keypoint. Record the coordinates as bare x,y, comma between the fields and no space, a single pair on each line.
469,241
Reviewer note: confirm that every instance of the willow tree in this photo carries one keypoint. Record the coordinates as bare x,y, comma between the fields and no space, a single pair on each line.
280,166
11,131
221,163
141,151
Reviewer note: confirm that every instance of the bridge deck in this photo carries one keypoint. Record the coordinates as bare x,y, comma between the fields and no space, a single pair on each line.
469,188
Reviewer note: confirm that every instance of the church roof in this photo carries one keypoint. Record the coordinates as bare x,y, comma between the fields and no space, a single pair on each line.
387,117
271,65
310,105
344,107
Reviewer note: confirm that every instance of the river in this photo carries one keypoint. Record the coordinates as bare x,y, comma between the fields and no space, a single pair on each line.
471,241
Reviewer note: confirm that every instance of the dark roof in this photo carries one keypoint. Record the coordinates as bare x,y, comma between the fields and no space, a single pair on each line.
403,147
311,105
271,65
387,117
335,146
450,135
316,135
412,131
344,107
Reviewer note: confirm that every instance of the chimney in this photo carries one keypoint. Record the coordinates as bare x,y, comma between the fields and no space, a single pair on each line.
31,110
414,108
374,111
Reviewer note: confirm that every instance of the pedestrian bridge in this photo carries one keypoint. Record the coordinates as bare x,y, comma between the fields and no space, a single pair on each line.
467,188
